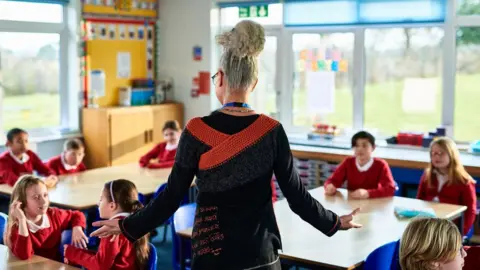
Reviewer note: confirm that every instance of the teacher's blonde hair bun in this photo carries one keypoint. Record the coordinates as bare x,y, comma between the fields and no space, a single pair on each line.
246,39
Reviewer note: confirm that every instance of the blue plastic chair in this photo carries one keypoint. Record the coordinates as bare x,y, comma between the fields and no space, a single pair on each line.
66,240
152,260
385,257
183,219
3,225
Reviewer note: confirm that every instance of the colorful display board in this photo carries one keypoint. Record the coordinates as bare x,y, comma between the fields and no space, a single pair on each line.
137,8
321,59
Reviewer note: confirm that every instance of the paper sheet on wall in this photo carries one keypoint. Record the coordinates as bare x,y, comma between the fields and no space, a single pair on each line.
419,95
123,65
321,92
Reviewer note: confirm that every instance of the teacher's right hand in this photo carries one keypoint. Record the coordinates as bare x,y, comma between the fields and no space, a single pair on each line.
347,222
108,228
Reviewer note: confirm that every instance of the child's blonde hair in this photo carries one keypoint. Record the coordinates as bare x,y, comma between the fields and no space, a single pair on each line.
456,172
19,193
427,241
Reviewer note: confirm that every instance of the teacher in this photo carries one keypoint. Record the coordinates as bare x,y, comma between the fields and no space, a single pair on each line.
233,152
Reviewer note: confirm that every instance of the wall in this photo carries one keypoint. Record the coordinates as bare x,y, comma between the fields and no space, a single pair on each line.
184,24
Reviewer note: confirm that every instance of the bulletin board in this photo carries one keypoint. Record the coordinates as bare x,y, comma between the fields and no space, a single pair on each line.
132,8
122,49
322,59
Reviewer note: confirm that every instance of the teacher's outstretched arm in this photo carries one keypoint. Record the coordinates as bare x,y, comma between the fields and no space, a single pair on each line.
166,203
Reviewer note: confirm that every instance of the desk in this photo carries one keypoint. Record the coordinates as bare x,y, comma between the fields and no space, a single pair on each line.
304,245
81,191
8,261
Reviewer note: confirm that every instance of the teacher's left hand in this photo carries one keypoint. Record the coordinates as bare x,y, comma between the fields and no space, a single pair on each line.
108,228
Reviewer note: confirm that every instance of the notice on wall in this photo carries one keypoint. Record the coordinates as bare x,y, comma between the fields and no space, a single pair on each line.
123,65
321,92
419,95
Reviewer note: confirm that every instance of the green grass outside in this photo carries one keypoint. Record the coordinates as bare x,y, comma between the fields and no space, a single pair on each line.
383,109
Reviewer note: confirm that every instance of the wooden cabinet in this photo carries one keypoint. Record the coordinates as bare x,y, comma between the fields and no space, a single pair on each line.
121,135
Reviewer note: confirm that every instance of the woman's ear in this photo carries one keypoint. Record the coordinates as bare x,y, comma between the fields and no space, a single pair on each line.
435,265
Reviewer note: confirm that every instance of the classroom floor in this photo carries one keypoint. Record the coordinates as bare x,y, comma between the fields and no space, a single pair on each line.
164,250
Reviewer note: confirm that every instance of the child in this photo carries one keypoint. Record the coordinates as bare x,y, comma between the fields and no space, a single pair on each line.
366,176
19,160
70,161
163,153
446,181
34,227
433,243
118,200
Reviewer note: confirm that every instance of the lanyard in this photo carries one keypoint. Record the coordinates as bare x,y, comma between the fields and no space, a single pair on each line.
237,104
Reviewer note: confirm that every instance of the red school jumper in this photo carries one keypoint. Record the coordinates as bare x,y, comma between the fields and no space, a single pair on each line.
165,157
377,180
46,242
10,169
459,194
117,255
56,165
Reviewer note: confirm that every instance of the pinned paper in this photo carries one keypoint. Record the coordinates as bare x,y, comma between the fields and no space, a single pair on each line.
301,65
419,95
321,65
112,31
328,54
328,65
321,92
314,66
131,31
141,32
334,66
303,55
337,55
122,31
343,66
123,65
102,31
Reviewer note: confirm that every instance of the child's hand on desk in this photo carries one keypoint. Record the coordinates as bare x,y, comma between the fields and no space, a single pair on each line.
360,194
51,181
346,221
330,189
79,239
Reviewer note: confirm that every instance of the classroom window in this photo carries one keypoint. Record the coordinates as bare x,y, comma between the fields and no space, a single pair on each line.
31,12
403,87
29,78
229,16
466,124
322,84
468,7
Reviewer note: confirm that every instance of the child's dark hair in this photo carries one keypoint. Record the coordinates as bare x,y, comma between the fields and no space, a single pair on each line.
363,135
126,196
12,133
172,124
73,144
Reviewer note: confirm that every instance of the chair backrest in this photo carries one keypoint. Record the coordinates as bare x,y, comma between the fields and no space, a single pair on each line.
66,240
3,225
152,260
385,257
183,219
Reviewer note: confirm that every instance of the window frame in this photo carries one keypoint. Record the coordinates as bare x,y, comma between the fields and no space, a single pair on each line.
69,81
286,65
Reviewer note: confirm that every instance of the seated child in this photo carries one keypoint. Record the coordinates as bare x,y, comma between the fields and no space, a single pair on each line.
435,244
366,176
34,227
19,160
446,180
119,198
163,155
70,161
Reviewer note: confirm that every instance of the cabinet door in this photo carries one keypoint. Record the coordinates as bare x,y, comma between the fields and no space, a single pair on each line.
131,135
162,114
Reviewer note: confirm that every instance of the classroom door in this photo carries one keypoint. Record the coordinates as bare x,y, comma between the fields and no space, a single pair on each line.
322,79
264,97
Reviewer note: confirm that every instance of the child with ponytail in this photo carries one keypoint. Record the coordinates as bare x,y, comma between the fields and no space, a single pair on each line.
118,200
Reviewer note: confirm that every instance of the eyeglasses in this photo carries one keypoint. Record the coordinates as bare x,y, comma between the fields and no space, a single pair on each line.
214,77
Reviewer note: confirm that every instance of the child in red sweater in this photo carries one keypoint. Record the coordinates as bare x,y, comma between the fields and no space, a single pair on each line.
118,200
34,227
19,160
366,176
163,155
70,161
446,180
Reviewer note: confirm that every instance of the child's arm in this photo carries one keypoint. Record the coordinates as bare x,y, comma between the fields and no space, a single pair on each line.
82,167
20,241
161,165
469,199
386,184
103,259
145,160
69,218
7,176
339,175
51,166
39,166
422,188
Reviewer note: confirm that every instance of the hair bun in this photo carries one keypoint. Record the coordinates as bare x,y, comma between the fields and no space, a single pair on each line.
246,39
